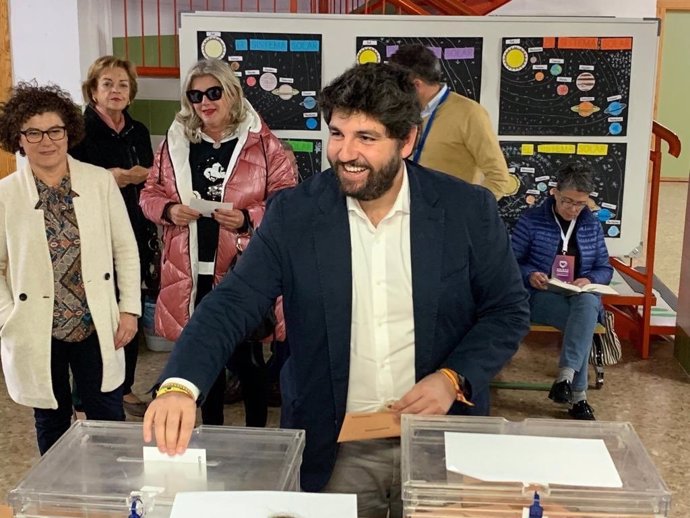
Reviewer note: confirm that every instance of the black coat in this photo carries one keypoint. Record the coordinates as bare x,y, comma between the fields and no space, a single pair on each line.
104,147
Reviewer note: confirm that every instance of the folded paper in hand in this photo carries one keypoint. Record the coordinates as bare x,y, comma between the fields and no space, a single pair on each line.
564,288
206,207
362,426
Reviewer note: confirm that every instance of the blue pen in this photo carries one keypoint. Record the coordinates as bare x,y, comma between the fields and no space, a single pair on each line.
536,510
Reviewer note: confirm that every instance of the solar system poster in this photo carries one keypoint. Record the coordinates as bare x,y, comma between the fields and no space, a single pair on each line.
460,58
280,74
565,86
533,167
308,155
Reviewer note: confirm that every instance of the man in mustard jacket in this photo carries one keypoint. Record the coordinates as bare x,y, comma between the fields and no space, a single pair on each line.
456,135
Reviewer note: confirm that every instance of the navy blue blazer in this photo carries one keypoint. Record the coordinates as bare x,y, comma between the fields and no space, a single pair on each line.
470,306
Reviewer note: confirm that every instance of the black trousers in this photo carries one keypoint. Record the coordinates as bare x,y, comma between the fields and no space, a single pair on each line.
131,356
84,359
248,363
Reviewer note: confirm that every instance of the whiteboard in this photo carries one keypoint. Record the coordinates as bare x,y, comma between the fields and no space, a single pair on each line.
338,39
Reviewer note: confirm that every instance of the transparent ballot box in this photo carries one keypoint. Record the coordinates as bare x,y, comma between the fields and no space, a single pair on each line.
97,470
488,467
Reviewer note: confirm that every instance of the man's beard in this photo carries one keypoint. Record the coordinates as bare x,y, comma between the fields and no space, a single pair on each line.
379,181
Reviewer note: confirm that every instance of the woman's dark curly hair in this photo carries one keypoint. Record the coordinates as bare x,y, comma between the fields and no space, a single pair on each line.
29,99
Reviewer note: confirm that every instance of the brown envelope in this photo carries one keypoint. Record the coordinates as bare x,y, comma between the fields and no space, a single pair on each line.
362,426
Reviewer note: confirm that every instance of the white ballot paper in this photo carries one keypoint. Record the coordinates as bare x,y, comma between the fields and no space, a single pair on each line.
264,504
206,207
531,459
185,472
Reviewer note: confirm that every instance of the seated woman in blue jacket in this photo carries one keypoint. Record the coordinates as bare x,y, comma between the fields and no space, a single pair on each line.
561,238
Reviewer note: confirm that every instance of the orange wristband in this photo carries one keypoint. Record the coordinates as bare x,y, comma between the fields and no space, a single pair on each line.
455,381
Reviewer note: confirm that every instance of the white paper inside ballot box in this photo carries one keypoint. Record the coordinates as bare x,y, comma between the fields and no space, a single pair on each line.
531,459
185,472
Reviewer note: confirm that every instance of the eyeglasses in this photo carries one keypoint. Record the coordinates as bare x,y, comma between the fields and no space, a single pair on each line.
34,136
196,96
569,202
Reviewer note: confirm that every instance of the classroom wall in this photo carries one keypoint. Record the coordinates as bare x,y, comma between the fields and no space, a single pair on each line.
86,29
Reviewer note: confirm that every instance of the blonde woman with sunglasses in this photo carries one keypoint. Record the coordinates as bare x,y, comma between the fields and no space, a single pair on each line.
218,149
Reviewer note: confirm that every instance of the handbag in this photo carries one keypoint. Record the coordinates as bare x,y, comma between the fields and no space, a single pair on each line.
606,347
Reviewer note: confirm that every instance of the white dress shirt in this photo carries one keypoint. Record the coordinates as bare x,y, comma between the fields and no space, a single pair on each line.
382,331
382,356
435,101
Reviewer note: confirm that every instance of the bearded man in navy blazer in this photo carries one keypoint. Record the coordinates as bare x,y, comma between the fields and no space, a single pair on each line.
400,291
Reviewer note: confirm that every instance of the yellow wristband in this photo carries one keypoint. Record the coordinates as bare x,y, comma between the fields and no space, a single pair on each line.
166,389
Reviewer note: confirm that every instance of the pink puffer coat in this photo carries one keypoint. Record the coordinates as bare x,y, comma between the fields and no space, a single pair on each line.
261,168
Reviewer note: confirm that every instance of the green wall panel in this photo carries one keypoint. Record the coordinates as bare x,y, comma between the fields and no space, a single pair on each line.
674,108
155,115
150,49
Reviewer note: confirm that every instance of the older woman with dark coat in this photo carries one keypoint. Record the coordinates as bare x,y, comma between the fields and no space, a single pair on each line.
115,141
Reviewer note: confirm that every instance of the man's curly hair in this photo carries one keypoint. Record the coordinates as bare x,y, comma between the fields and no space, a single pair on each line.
379,90
28,99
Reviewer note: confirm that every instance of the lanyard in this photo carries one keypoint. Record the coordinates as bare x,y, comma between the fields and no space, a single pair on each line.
565,237
425,133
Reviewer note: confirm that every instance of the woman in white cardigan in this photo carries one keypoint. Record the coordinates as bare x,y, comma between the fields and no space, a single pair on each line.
65,238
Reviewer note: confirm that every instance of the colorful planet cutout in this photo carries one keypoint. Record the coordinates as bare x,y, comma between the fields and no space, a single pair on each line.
513,185
615,108
285,92
604,215
614,231
309,103
268,81
311,123
585,109
556,69
213,47
515,58
530,199
542,186
533,59
234,65
368,55
615,128
251,81
585,81
539,76
562,89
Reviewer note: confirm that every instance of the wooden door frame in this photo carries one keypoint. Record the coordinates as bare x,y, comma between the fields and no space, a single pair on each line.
662,7
7,161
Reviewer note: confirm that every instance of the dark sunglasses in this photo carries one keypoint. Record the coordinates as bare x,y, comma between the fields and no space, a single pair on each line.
196,96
